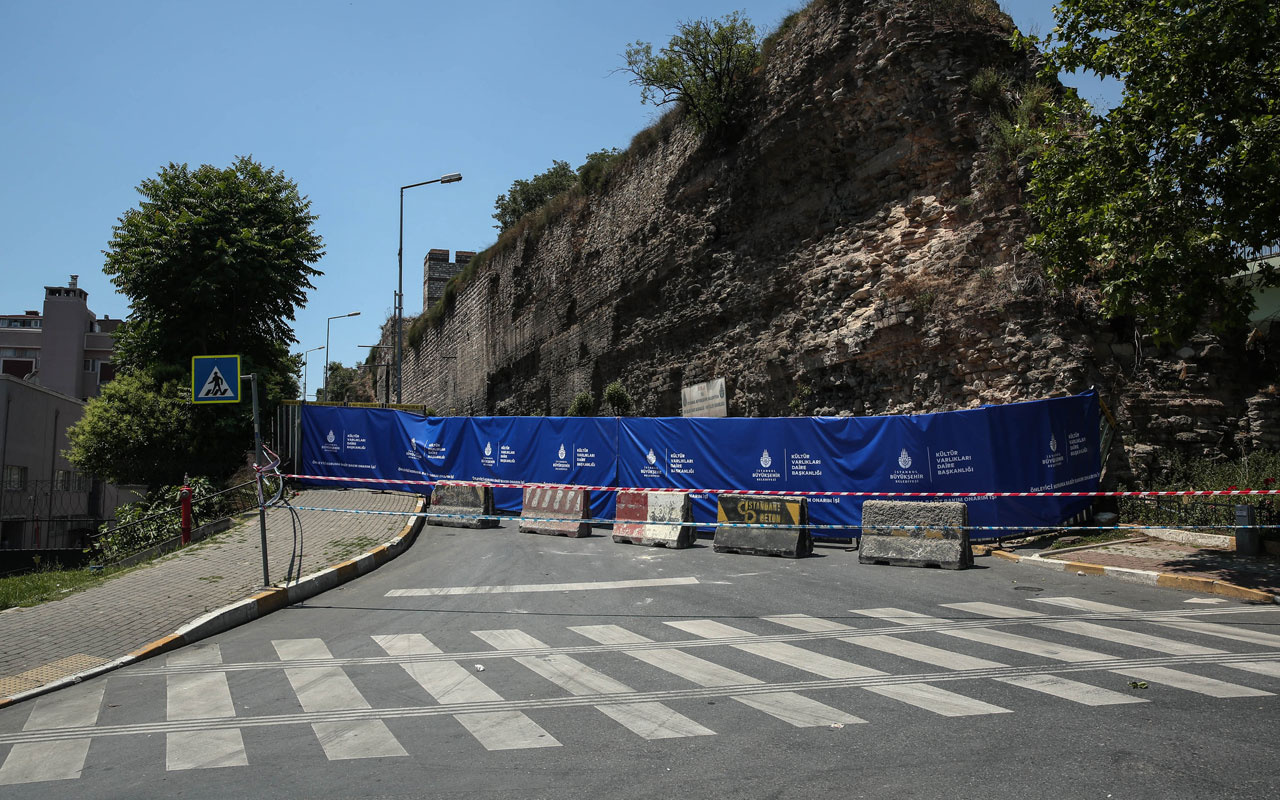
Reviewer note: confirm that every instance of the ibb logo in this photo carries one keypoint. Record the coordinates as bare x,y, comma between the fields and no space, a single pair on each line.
1053,443
329,438
561,451
488,450
765,460
904,460
651,458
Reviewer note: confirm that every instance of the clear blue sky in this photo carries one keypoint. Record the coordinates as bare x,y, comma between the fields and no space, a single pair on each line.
349,99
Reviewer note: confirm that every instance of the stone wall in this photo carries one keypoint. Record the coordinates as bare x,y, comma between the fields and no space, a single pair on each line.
844,255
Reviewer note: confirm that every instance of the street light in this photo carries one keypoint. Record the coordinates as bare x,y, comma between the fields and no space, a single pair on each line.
326,349
452,177
304,370
386,395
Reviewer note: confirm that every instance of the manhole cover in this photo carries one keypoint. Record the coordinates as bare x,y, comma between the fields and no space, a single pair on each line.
1027,589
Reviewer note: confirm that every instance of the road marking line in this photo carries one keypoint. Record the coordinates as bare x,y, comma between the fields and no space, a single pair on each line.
1180,622
448,682
321,689
74,707
541,587
1144,641
939,701
786,706
1190,682
1002,639
200,695
804,622
781,652
648,720
1074,691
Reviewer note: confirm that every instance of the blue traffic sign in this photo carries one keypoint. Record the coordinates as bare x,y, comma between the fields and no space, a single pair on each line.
215,379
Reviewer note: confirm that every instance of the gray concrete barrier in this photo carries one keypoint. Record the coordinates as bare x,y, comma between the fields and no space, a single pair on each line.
462,500
545,508
922,534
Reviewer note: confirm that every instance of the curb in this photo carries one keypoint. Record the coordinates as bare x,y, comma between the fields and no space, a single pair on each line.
242,611
1168,580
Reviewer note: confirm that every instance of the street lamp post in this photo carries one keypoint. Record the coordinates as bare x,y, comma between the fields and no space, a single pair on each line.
304,370
452,177
386,396
326,349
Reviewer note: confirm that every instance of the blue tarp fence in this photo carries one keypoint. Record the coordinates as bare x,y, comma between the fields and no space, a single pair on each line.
1037,446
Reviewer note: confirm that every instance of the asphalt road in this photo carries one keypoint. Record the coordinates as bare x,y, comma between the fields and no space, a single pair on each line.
580,668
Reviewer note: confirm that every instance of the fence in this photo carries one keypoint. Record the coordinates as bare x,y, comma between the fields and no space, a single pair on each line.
162,524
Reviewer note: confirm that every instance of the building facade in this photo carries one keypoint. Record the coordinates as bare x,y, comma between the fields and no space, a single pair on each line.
65,348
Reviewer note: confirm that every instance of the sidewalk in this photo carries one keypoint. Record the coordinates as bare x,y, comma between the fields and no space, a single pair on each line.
91,629
1210,570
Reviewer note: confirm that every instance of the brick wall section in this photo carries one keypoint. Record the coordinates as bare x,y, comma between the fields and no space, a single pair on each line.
844,256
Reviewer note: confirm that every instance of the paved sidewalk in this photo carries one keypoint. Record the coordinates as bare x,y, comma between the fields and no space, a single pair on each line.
1252,572
52,641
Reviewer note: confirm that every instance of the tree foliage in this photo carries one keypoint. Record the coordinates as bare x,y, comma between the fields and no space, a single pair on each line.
618,399
133,432
526,196
1158,201
706,67
214,261
582,406
346,384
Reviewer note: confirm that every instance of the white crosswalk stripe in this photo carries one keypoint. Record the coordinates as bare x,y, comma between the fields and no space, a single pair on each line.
73,707
449,682
200,695
789,707
330,689
202,727
648,720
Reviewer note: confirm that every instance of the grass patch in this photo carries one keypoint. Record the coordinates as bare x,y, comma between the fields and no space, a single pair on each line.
342,549
34,588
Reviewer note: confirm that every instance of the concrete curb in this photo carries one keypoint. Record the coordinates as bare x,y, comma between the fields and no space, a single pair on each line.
238,613
1168,580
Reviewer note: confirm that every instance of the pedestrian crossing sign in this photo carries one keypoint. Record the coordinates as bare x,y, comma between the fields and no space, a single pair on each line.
215,379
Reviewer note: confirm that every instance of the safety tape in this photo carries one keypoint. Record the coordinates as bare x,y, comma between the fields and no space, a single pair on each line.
805,492
599,521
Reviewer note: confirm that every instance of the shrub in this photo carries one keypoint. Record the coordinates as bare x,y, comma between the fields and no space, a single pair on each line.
583,405
618,399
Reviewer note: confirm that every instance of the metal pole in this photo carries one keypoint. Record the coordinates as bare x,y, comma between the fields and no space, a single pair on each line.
400,304
326,358
258,462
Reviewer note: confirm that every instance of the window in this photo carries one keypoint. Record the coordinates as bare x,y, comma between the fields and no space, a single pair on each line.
15,478
61,480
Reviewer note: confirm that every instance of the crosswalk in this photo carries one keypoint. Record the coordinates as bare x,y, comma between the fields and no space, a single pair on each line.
1046,650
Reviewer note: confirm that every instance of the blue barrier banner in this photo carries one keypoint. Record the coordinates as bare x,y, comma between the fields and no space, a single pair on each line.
1043,445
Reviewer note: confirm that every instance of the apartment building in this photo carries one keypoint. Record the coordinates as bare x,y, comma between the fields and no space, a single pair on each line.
65,348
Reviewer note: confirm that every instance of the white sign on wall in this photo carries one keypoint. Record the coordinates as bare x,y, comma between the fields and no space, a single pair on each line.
704,400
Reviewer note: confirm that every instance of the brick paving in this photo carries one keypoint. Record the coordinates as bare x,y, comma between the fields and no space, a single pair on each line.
1253,572
53,640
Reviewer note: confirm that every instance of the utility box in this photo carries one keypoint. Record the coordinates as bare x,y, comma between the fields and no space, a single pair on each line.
1248,535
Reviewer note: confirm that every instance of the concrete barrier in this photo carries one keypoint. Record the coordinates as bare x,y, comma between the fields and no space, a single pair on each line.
544,508
637,511
924,534
765,510
464,500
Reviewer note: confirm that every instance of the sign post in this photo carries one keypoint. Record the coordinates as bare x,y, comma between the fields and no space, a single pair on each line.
258,461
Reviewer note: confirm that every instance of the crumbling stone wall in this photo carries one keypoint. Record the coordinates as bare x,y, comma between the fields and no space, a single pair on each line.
844,255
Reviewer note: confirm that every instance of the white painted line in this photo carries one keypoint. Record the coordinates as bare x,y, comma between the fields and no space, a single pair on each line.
204,749
1192,683
199,654
1269,668
1071,690
995,638
330,689
448,682
1206,601
1180,623
781,652
648,720
798,710
73,707
808,624
939,701
198,695
541,587
915,651
1092,630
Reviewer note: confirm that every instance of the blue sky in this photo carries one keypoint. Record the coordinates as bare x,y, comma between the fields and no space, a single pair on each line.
349,99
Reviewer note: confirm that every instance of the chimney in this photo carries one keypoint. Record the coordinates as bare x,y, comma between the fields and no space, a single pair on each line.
75,281
463,257
435,256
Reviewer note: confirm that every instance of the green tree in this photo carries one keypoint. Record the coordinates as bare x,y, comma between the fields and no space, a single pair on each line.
618,399
213,261
583,405
597,167
133,433
528,196
346,384
1158,201
706,67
